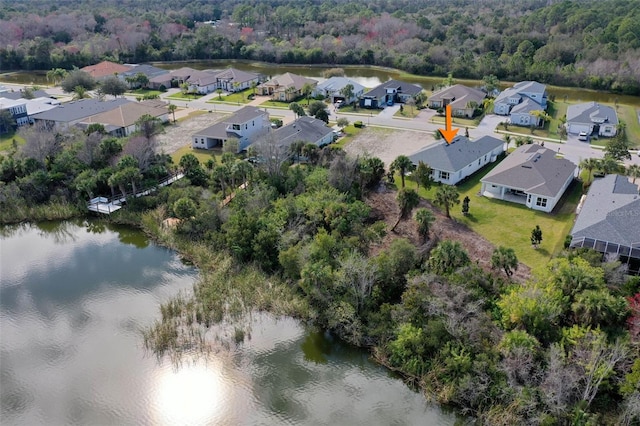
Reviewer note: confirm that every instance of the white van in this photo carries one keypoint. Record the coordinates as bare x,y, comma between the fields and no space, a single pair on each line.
583,136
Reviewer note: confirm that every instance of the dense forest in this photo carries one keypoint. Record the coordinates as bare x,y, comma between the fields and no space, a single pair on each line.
305,239
592,44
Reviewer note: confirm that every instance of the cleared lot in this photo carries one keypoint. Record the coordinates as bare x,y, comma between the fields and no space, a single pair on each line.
178,135
387,144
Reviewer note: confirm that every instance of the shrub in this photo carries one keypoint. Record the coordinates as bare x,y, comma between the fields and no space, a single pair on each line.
358,124
162,88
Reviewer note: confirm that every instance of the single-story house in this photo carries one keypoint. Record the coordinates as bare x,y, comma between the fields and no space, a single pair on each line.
233,80
203,82
305,129
286,87
121,120
19,94
530,175
105,69
452,162
463,100
520,100
592,117
70,113
173,78
332,87
247,124
389,91
609,218
148,70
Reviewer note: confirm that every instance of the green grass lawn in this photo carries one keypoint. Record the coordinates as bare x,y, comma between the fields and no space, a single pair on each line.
628,114
185,96
203,155
407,112
143,92
6,141
350,132
508,224
238,98
460,122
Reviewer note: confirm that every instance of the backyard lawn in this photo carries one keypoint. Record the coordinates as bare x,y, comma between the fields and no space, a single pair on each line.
508,224
202,155
6,141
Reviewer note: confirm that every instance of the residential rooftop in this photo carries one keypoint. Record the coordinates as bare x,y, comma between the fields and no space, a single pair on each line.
461,152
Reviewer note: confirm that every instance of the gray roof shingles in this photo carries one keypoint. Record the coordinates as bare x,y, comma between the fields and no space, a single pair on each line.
456,155
589,113
243,115
77,110
405,88
610,212
307,129
532,169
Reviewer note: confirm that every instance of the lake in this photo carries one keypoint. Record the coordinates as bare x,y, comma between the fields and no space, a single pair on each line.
74,297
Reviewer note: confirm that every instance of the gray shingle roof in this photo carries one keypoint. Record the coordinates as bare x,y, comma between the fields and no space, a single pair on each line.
307,129
610,212
236,75
149,70
456,155
405,88
526,106
532,169
335,84
521,87
462,95
76,110
243,115
17,94
591,112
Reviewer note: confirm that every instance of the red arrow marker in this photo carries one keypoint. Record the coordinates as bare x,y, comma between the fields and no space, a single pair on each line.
448,133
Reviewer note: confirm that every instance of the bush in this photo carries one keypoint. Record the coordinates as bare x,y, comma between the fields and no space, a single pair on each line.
358,124
162,88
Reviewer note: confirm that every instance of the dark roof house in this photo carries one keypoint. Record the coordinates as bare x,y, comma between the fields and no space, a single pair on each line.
306,129
73,112
530,175
609,218
392,90
452,162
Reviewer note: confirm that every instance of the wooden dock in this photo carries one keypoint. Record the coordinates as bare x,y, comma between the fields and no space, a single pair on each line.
106,205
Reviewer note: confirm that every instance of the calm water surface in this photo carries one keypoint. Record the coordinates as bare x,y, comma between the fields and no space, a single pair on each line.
73,298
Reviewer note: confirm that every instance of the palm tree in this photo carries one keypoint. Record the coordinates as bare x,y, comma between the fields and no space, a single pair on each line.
347,92
609,165
296,149
504,258
633,171
307,89
56,75
79,92
447,196
172,109
447,257
589,164
507,140
407,199
402,164
424,218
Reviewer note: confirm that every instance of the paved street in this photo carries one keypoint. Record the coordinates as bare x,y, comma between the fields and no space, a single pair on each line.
571,149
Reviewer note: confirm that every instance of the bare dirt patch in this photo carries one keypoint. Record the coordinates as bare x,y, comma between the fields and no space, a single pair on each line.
387,144
385,208
178,135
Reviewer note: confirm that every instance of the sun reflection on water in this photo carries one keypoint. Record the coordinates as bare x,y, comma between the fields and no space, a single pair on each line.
194,393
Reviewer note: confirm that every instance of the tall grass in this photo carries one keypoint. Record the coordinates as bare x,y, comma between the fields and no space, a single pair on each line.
54,210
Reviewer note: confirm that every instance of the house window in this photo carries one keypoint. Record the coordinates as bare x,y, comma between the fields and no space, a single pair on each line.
541,202
236,127
528,198
444,175
479,159
485,158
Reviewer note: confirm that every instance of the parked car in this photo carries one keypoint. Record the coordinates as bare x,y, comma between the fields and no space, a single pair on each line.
390,102
582,136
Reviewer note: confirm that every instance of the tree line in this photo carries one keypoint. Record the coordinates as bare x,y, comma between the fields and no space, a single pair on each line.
594,44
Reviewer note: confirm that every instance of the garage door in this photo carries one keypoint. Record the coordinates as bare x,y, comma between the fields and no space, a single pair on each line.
574,129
